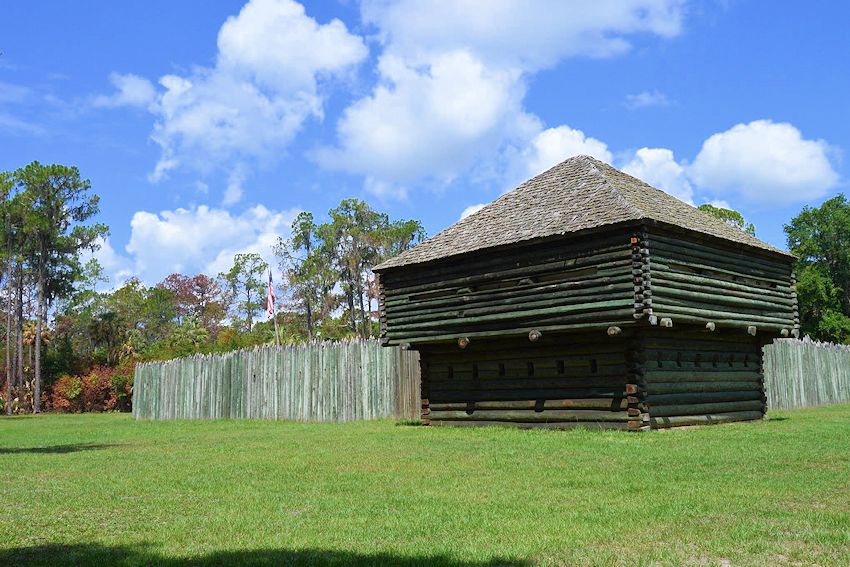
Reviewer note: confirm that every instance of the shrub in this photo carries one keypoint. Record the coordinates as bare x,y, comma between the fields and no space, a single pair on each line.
100,389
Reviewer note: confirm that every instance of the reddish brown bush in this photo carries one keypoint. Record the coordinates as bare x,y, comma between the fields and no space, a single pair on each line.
101,389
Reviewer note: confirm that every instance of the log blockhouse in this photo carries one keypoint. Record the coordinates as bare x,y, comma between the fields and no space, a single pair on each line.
587,297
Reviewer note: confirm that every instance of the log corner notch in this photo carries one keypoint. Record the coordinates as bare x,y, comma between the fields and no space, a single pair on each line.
641,274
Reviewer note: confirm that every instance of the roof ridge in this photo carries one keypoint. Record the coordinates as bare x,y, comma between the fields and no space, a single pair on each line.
594,163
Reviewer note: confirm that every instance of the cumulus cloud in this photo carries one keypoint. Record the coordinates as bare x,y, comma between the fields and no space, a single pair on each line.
553,145
265,84
130,90
765,162
452,78
201,239
428,122
272,62
657,167
645,99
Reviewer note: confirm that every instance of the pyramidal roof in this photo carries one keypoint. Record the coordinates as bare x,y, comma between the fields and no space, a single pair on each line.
577,194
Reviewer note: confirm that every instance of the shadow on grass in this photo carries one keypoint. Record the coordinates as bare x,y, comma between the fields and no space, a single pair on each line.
55,449
93,554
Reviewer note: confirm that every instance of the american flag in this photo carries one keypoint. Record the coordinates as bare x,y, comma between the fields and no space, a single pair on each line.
270,298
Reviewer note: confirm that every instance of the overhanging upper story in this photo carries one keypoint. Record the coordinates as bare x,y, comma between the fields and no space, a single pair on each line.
584,246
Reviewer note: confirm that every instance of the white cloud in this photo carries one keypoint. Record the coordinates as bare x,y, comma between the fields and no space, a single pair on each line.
272,62
552,146
201,239
428,122
657,167
516,33
645,99
233,193
452,78
471,210
131,90
765,162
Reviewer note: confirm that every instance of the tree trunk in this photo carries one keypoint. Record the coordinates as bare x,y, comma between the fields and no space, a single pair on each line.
9,330
350,297
309,313
19,330
36,402
364,328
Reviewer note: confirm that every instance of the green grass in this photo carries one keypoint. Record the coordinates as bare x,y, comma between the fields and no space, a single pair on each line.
105,489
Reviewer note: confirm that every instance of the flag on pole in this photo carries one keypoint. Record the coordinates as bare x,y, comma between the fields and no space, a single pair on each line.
270,298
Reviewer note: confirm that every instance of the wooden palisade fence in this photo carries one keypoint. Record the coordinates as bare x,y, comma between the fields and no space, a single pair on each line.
332,382
800,373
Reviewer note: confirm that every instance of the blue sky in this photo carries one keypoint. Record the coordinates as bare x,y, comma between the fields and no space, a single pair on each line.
206,126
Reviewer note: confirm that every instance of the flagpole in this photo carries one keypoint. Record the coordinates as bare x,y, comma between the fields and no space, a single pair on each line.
271,310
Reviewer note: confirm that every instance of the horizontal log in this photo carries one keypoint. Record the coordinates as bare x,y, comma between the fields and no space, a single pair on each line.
537,425
516,256
687,245
678,421
690,387
657,400
652,376
720,298
745,265
663,273
778,313
705,408
588,284
437,397
525,384
565,301
616,259
416,338
610,404
669,263
530,415
718,315
661,284
588,307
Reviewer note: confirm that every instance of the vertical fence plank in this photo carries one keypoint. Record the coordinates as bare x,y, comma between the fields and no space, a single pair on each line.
318,381
801,373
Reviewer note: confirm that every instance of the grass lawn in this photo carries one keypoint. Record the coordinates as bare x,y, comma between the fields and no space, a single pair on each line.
81,489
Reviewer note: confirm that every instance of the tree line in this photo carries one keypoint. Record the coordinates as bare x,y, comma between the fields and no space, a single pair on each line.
60,322
61,326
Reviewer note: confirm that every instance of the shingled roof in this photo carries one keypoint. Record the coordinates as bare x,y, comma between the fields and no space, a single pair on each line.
577,194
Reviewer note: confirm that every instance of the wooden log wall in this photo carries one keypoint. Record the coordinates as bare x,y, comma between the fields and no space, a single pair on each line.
802,373
692,377
340,381
548,286
698,281
558,381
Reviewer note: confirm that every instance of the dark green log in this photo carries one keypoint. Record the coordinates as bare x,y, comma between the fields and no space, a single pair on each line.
698,375
537,425
748,267
581,403
685,387
530,415
720,297
517,395
705,408
678,421
658,400
663,274
500,315
422,337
